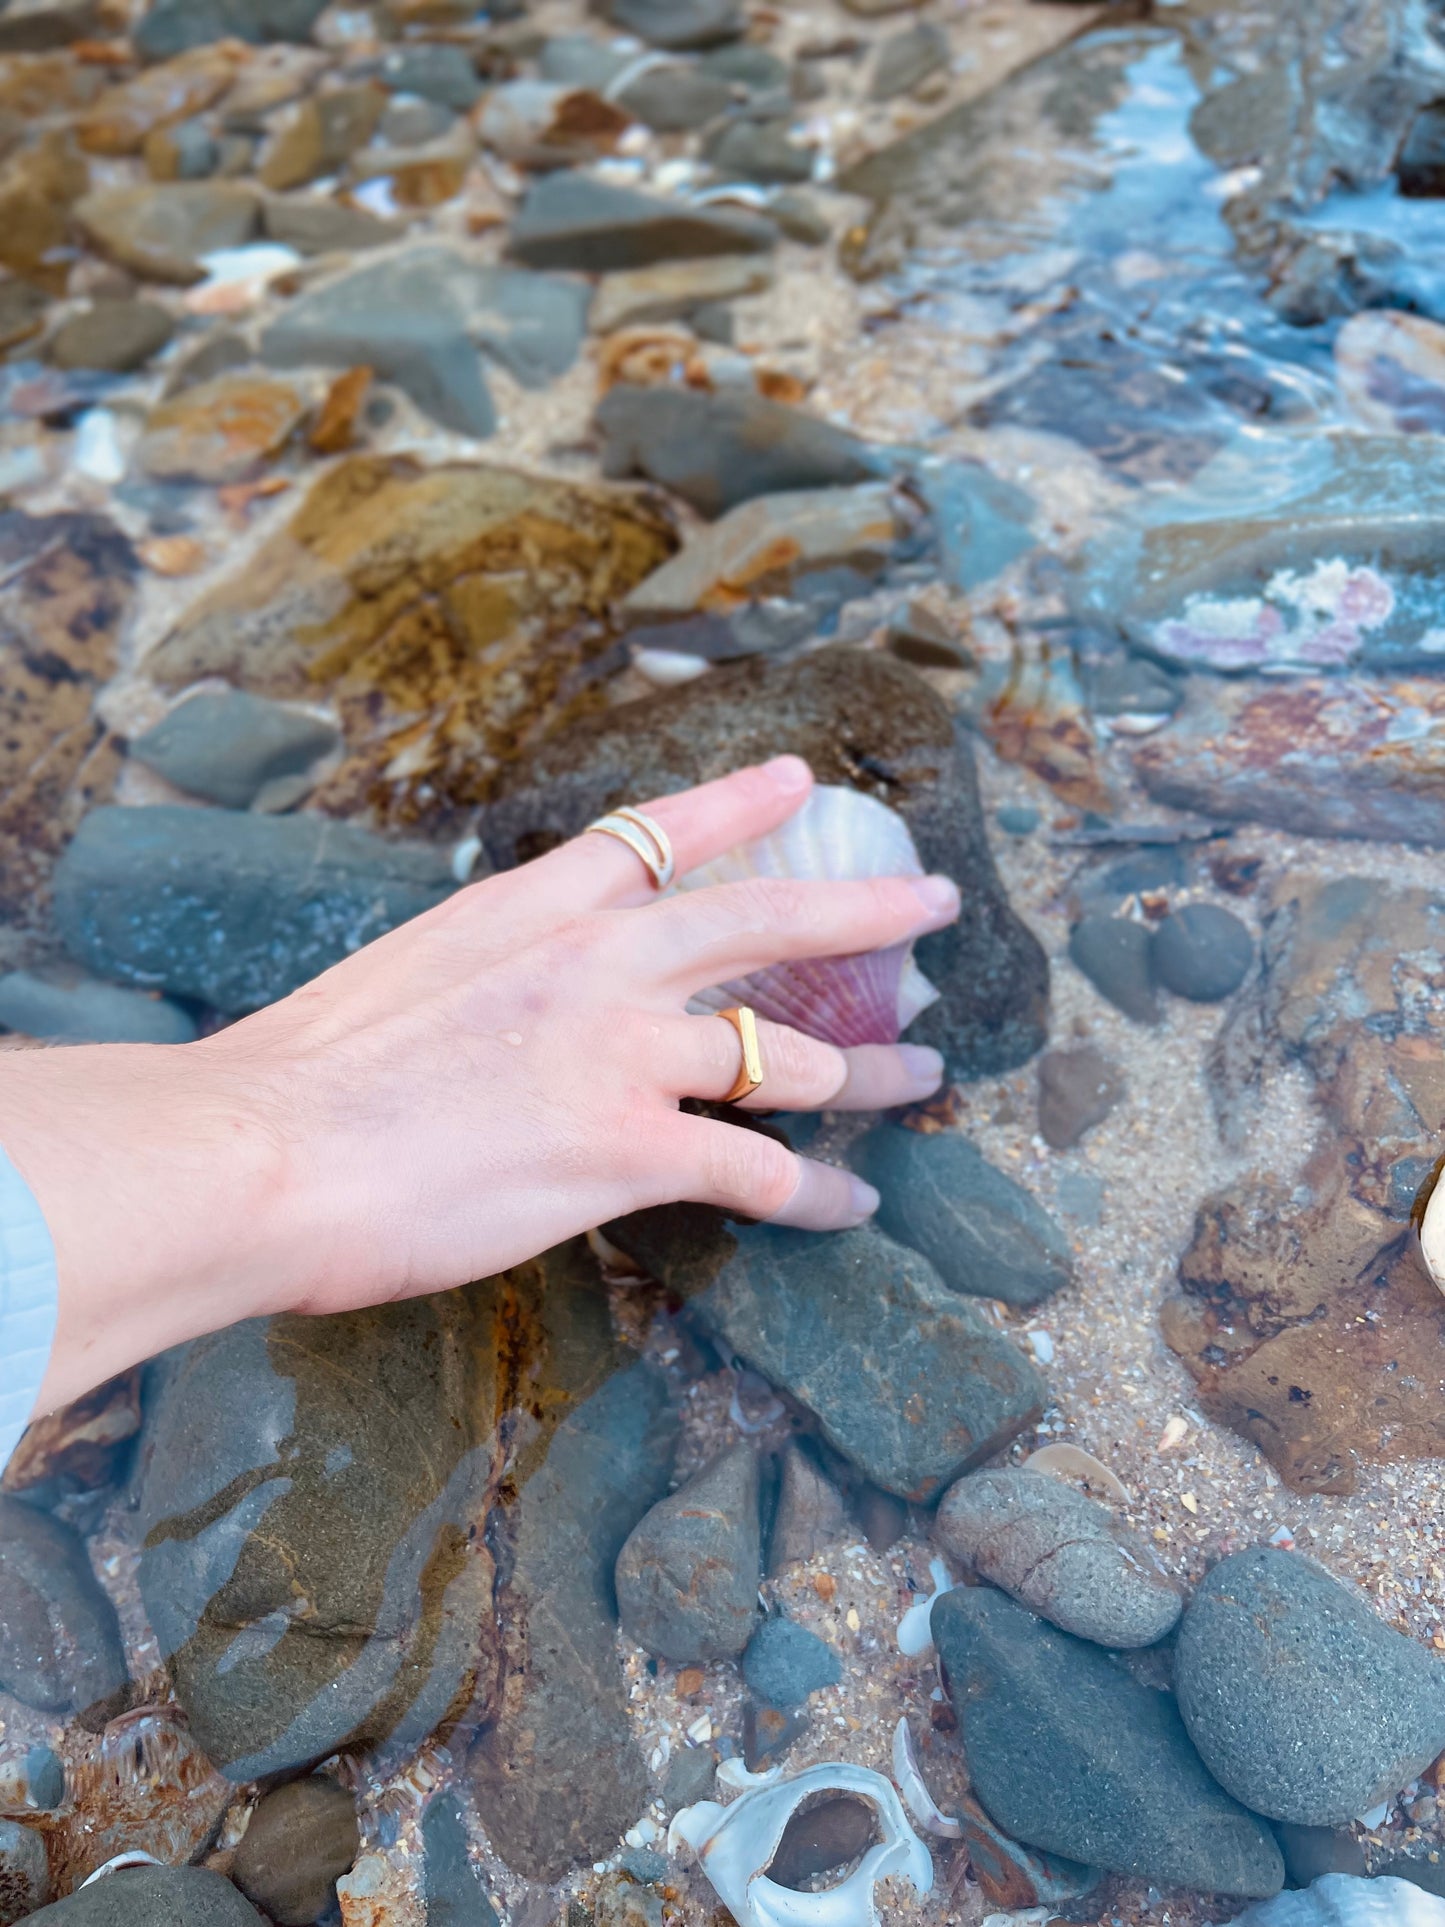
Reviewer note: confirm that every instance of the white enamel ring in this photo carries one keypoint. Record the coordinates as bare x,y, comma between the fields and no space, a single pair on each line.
644,837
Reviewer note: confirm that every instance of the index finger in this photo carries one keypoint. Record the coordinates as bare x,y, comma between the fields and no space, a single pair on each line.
599,873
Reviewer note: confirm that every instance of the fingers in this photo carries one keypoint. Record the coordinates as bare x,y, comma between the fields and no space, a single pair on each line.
753,1176
701,1057
597,872
707,937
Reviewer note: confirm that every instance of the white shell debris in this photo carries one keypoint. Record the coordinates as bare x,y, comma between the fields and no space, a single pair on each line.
735,1845
1432,1229
914,1788
137,1857
1073,1464
914,1635
1346,1900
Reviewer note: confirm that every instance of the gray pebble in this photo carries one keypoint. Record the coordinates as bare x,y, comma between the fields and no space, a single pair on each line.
24,1872
1077,1090
759,150
1060,1553
1116,955
411,120
784,1663
119,336
1202,952
810,1514
1303,1704
907,58
642,1863
1017,819
228,745
690,1777
687,1578
675,99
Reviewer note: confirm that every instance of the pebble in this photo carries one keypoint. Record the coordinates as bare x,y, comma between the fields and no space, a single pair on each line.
315,226
831,1834
229,746
675,290
301,1839
189,151
116,335
1202,952
745,64
571,220
1068,1753
34,1780
1302,1702
1058,1552
411,120
161,230
1077,1090
1017,819
153,1897
220,431
577,60
678,25
719,450
784,1663
229,907
759,150
318,135
675,99
985,1234
1117,956
24,1871
22,312
60,1645
690,1777
437,70
122,117
687,1578
1133,686
63,1005
810,1515
906,58
451,1885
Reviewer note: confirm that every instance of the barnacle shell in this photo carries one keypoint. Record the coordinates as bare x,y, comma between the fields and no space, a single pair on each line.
1345,1900
838,834
1428,1217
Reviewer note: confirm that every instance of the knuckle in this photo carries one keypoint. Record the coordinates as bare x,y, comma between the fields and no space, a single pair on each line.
751,1170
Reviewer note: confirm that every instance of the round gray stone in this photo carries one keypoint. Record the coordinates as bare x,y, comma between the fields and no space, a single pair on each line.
114,335
1202,952
784,1663
1116,955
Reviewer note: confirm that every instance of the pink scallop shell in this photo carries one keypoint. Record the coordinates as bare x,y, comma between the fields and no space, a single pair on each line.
872,999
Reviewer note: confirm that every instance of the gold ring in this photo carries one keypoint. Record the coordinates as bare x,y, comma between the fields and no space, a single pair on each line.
745,1023
644,837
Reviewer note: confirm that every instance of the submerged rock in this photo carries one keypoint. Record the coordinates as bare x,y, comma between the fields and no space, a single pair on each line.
154,1897
678,24
161,230
116,335
1060,1554
1116,954
990,969
571,220
687,1578
169,26
906,58
24,1871
983,1233
784,1663
301,1839
1077,1090
220,431
64,1005
720,450
810,1513
1068,1753
1202,952
672,290
1301,1701
451,1887
906,1379
60,1648
231,747
229,907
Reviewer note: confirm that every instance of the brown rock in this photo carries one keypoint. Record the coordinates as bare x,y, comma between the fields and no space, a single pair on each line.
33,26
272,76
1013,1875
334,429
810,1515
224,430
671,290
157,97
116,335
456,595
319,135
160,230
22,312
832,1834
1077,1090
301,1839
36,87
37,187
1318,756
79,1443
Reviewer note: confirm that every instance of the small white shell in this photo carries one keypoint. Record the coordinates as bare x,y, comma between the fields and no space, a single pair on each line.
119,1862
838,834
1429,1218
1345,1900
914,1788
915,1636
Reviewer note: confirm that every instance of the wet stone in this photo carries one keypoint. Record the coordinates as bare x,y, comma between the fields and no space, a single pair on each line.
22,312
412,121
300,1840
60,1648
451,1886
1202,952
990,969
424,318
810,1514
1117,956
623,1901
906,58
1132,686
436,70
673,290
691,1776
906,1379
983,523
229,907
1077,1090
687,1578
124,115
832,1834
116,335
170,26
983,1232
317,136
228,746
678,24
784,1663
160,230
154,1897
675,100
570,220
24,1871
1011,1875
577,60
66,1005
36,26
225,430
38,187
37,1779
720,450
759,150
1299,1698
187,152
1060,1554
312,225
1068,1753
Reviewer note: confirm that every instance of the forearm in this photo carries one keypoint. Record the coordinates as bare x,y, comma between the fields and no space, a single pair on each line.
165,1187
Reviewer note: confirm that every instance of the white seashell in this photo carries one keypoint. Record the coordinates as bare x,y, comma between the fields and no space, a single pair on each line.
1346,1900
1072,1462
119,1862
735,1846
838,834
914,1788
915,1636
1428,1217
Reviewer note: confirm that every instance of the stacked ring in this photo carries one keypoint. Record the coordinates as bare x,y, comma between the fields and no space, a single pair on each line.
644,837
750,1075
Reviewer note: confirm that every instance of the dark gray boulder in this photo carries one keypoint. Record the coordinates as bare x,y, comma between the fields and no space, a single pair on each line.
60,1646
154,1897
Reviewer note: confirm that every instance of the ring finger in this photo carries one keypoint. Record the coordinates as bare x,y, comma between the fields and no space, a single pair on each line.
702,1057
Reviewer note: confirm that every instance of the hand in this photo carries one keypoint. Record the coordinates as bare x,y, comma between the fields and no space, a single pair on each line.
491,1078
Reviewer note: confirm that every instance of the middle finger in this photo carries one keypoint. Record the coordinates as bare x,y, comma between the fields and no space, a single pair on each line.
701,1057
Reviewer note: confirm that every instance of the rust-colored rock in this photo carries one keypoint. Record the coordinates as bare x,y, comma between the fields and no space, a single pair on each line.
158,97
38,186
445,606
220,431
319,135
81,1442
1306,1315
334,429
160,230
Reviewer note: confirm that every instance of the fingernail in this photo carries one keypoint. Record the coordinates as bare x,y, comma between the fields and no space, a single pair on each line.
862,1199
924,1068
788,773
940,899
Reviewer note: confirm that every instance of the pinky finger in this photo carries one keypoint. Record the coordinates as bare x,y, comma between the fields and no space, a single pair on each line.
754,1176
